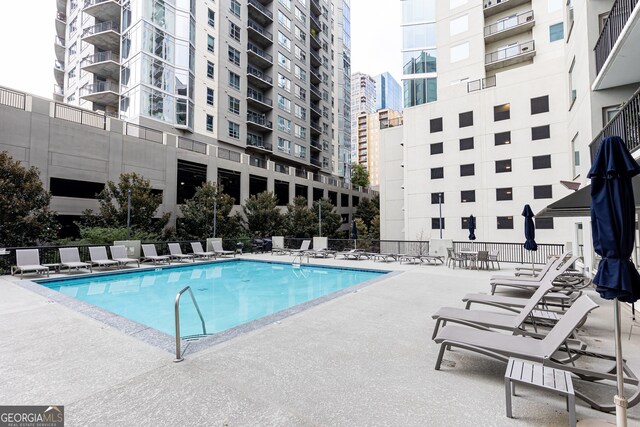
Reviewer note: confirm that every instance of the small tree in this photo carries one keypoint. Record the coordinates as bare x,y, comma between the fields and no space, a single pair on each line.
367,209
374,228
331,220
197,214
263,215
359,175
113,206
299,219
25,217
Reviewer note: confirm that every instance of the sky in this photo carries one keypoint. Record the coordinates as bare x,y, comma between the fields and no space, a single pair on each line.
27,28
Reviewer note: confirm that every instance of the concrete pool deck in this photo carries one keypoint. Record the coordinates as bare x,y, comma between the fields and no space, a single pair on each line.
365,358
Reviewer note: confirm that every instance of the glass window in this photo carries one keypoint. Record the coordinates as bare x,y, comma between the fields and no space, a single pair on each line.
437,148
209,123
284,41
300,54
466,144
540,132
419,61
556,32
437,198
505,223
234,105
284,125
210,69
300,151
300,35
285,3
234,55
300,132
284,103
300,112
540,105
501,112
572,85
465,119
209,96
418,36
437,173
212,18
235,7
503,166
284,21
435,223
300,16
284,145
300,93
541,162
284,82
420,91
468,196
544,223
504,194
284,61
211,43
542,192
418,11
300,73
502,138
435,125
234,80
234,31
467,170
234,130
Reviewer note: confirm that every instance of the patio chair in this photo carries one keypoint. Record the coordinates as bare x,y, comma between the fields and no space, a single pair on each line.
493,257
198,252
119,254
553,261
303,247
487,319
149,254
546,350
320,253
28,261
453,257
70,258
551,299
99,257
353,254
482,259
176,253
533,282
217,248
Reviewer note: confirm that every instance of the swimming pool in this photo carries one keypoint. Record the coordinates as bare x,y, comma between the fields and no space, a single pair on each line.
228,293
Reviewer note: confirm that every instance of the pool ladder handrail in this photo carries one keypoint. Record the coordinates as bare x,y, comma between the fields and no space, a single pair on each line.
300,255
179,357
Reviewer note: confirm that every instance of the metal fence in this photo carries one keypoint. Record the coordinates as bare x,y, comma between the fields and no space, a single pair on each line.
144,132
12,98
78,115
611,30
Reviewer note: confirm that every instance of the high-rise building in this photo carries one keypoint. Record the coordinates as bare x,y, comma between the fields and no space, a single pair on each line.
419,71
388,92
494,137
261,75
363,100
367,132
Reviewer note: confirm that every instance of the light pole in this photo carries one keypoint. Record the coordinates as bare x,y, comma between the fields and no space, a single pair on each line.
440,209
128,212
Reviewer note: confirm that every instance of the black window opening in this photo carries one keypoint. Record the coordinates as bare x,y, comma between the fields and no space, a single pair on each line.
344,200
502,138
435,223
503,166
466,144
540,132
355,201
540,104
435,125
72,188
281,191
465,119
504,194
464,222
191,175
542,192
501,112
302,190
345,218
468,196
437,148
437,173
230,182
468,170
544,223
68,227
437,198
541,162
318,193
257,185
333,198
505,223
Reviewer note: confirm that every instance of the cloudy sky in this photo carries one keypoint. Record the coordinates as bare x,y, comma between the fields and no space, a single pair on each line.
27,30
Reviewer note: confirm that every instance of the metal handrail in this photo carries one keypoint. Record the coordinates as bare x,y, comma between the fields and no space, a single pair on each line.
179,357
520,19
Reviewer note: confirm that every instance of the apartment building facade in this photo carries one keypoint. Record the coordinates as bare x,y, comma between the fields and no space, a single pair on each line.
494,136
259,75
363,100
388,92
368,140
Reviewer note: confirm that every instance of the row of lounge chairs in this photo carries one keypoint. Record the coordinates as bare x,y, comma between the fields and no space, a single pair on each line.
539,329
28,260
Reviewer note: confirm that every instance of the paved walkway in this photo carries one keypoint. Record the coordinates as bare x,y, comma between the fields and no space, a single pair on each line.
362,359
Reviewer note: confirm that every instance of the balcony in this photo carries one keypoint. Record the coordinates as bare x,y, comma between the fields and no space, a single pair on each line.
316,126
258,78
258,101
315,144
315,162
315,76
101,93
509,27
259,56
625,124
103,64
61,6
61,24
618,47
257,142
315,7
259,122
315,59
316,95
259,13
492,7
58,72
105,36
103,10
258,34
59,47
315,42
509,56
315,108
315,24
480,84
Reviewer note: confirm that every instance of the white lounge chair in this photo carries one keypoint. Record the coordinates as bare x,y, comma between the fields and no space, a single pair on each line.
217,248
303,247
196,247
28,261
70,258
176,253
150,254
119,254
99,257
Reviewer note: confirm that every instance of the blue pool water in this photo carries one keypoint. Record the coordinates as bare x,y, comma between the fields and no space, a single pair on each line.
228,293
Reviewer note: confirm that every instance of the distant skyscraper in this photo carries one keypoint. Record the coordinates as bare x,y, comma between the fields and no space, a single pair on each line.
388,92
363,100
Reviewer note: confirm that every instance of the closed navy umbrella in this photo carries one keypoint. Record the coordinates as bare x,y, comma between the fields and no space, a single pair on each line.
530,234
472,227
613,232
354,234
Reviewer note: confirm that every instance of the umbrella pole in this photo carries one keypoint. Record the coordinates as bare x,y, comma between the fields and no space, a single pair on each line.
619,399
